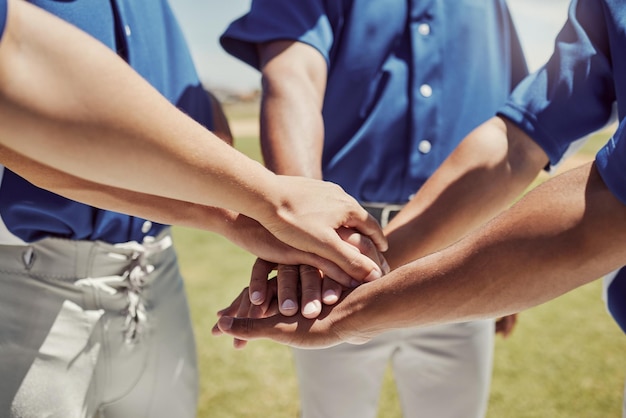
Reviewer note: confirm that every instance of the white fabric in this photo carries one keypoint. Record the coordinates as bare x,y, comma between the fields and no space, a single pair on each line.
440,372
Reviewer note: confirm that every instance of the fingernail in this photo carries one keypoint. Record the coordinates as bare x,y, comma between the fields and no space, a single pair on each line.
374,275
311,308
330,296
289,305
226,322
256,297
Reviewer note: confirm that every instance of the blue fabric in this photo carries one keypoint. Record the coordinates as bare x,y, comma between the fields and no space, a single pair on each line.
378,56
575,93
146,34
616,295
611,160
3,16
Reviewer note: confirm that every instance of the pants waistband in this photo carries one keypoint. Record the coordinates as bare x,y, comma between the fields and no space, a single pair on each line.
63,259
383,212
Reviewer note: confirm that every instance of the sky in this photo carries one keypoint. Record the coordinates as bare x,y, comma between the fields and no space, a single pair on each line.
202,21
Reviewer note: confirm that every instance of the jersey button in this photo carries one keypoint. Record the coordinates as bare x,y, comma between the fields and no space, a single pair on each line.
424,147
426,90
424,29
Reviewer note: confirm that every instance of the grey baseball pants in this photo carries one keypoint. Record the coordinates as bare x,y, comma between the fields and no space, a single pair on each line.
89,329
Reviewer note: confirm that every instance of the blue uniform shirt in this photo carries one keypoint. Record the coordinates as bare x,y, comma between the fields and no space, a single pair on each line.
146,34
407,80
575,94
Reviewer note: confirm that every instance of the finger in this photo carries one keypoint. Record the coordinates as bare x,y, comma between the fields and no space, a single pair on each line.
282,329
270,306
365,246
505,325
234,306
311,285
360,267
511,322
384,264
229,311
244,307
367,225
243,311
216,331
261,311
258,280
331,269
294,331
241,303
331,291
287,282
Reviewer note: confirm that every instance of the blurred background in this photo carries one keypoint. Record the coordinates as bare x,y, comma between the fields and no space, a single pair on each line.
564,359
537,22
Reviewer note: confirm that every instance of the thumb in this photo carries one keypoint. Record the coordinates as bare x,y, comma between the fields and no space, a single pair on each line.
282,329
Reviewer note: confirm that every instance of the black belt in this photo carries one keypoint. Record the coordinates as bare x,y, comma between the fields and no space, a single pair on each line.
383,212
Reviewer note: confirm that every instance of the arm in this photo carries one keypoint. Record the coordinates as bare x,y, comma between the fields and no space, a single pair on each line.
292,128
491,167
57,103
239,229
292,139
563,234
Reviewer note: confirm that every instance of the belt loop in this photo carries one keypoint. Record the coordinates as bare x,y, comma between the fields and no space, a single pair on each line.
84,251
384,216
28,257
383,212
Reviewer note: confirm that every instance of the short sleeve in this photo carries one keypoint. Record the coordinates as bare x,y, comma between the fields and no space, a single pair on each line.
611,163
574,93
3,16
273,20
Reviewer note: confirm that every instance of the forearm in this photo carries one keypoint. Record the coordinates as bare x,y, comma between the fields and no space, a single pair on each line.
489,169
154,208
239,229
83,100
292,128
565,233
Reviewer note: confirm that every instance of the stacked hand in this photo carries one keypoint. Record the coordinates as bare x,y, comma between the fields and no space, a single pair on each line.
280,296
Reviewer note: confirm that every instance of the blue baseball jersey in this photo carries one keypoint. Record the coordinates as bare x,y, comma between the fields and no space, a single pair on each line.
576,93
407,80
146,34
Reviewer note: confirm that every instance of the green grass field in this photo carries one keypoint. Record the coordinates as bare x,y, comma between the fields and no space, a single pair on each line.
566,358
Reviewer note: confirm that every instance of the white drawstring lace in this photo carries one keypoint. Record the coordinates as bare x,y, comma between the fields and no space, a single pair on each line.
132,281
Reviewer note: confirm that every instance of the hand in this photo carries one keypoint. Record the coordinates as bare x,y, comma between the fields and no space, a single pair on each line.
295,331
252,236
308,214
293,282
308,283
505,325
245,321
241,307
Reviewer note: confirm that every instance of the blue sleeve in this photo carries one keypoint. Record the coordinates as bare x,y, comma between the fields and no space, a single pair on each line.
3,16
611,163
272,20
573,94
